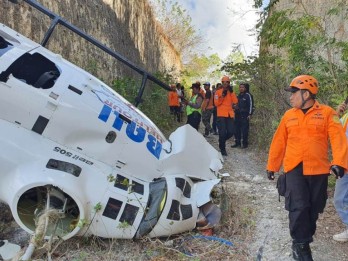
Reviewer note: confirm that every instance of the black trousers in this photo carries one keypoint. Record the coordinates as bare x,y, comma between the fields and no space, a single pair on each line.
175,110
242,130
226,130
305,198
194,119
214,124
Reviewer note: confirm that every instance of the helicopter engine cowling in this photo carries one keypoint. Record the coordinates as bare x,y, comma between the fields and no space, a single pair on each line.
30,198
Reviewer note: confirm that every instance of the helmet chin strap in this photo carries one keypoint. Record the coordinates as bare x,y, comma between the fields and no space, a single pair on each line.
304,100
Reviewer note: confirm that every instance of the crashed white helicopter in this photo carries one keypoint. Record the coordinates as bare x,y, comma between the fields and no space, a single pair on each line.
71,143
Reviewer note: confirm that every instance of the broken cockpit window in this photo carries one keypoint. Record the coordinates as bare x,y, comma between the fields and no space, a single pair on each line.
4,46
33,69
157,199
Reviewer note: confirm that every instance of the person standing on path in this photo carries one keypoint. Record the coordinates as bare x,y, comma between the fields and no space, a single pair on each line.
173,102
341,188
207,109
214,124
243,110
180,95
224,100
301,145
193,107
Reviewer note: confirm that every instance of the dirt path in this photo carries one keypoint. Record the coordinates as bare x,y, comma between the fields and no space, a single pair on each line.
271,239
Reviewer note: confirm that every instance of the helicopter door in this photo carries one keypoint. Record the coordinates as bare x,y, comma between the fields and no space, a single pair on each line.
30,94
123,207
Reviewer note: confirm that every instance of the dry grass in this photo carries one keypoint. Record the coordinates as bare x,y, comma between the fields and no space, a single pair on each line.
236,227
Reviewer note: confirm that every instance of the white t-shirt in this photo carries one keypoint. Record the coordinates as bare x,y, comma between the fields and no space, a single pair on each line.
179,92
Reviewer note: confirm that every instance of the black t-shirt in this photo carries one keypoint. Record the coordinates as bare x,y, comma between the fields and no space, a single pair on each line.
208,94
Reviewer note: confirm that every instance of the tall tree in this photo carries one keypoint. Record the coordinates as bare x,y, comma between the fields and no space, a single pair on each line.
202,68
295,41
177,26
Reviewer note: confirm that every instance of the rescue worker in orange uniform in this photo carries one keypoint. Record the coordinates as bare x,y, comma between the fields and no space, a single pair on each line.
224,100
301,145
174,102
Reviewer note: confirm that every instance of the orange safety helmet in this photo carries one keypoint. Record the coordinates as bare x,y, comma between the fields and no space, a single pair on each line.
304,82
225,79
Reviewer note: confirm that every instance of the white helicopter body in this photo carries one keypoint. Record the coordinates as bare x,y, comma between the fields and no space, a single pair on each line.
70,142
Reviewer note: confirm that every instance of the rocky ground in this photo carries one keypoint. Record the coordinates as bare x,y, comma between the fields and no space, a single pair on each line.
261,233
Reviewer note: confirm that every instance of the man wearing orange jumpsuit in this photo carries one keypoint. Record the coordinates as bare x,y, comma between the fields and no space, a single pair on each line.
301,145
173,102
224,100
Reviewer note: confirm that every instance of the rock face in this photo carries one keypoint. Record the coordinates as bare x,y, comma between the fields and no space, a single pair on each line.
335,25
128,27
331,14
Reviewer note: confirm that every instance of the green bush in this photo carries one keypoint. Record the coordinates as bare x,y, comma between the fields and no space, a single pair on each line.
291,46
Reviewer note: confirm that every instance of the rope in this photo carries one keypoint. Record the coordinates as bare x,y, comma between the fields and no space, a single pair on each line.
37,239
212,238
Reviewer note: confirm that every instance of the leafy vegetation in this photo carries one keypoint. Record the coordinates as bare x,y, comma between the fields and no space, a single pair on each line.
202,68
188,41
177,26
293,42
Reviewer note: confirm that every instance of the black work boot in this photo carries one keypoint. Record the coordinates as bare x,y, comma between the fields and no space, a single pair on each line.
223,152
301,252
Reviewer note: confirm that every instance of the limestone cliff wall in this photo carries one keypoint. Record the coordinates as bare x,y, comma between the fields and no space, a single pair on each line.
334,25
126,26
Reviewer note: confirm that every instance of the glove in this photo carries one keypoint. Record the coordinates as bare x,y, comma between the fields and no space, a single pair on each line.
337,170
230,89
270,175
224,93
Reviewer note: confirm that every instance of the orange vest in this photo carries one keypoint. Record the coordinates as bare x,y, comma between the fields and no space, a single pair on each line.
202,92
208,104
173,98
224,104
304,138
